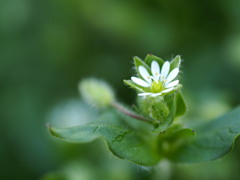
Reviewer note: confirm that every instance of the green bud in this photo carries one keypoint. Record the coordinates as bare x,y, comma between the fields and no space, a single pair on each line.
96,92
154,107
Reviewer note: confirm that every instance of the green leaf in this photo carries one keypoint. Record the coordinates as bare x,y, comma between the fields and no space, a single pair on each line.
122,140
175,63
173,138
214,139
149,58
181,105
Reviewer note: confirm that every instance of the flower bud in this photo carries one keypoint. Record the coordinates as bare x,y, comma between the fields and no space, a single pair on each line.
154,107
96,92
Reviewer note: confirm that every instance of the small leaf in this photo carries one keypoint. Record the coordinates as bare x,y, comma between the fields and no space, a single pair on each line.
123,141
175,63
214,139
176,132
174,137
149,58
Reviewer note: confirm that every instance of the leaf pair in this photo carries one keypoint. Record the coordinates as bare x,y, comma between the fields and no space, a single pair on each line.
123,141
213,139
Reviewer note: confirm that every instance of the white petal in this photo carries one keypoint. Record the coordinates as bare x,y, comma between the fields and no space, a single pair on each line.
144,73
140,82
172,84
155,68
167,90
156,94
165,69
172,75
144,94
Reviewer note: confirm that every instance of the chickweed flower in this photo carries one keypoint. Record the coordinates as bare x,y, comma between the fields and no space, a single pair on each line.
154,80
159,82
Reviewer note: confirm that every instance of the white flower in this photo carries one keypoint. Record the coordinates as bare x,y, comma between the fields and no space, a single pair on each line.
159,82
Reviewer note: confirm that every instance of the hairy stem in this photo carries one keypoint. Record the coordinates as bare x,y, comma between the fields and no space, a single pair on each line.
129,113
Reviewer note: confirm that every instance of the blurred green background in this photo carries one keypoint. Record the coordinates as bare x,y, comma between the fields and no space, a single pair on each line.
47,46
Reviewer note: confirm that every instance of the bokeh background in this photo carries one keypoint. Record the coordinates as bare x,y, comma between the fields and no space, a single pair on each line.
47,46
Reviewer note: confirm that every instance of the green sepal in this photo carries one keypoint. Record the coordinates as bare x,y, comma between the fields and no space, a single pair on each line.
149,58
138,62
175,63
133,85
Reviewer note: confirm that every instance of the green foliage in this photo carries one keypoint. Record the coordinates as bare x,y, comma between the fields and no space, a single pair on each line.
84,170
46,46
123,141
171,140
143,144
214,139
127,138
181,105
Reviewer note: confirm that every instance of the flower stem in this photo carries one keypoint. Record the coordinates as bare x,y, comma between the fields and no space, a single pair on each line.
122,109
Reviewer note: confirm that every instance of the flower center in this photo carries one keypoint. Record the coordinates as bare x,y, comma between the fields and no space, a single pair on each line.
157,86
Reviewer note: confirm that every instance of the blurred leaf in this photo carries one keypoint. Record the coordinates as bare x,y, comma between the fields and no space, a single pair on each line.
123,141
173,138
181,105
72,171
71,113
214,139
54,176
